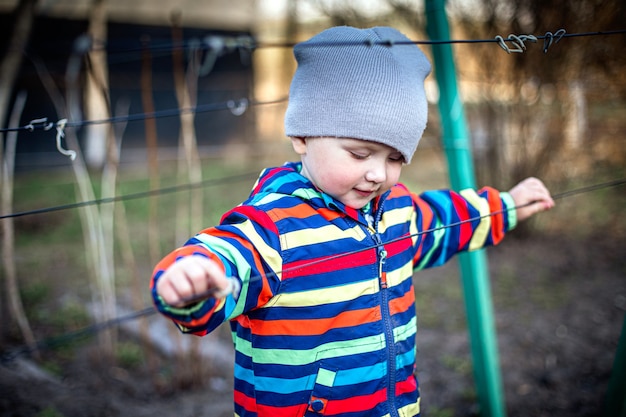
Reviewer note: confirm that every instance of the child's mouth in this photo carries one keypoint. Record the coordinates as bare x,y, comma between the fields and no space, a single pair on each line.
364,193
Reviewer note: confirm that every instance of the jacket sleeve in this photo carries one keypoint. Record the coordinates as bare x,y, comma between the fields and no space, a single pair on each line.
246,245
449,222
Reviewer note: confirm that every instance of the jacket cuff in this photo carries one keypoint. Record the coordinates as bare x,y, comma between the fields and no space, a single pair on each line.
511,212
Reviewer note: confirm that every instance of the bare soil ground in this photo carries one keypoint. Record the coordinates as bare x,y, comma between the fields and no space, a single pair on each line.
559,308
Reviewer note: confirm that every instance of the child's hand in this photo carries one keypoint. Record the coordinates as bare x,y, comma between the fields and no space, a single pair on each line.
190,278
531,190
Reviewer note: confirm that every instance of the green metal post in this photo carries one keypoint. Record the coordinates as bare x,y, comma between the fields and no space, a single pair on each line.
474,271
616,395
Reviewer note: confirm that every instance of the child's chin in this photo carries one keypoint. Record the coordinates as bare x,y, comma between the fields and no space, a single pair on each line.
356,205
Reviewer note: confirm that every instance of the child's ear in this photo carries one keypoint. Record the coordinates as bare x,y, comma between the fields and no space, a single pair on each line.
299,144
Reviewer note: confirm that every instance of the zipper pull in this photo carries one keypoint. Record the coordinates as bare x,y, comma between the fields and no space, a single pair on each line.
382,258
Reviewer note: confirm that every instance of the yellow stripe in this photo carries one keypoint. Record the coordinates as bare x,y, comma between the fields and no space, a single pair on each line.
324,295
319,235
410,409
398,276
394,217
268,253
482,231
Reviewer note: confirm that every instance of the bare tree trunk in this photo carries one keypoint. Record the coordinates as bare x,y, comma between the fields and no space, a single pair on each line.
12,61
9,68
190,170
97,106
92,223
152,151
90,216
101,148
16,307
153,218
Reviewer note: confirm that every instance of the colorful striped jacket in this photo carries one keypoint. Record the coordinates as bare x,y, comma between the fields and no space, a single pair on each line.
325,321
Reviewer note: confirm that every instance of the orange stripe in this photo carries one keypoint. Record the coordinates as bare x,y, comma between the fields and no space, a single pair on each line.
427,218
402,304
314,326
302,211
497,221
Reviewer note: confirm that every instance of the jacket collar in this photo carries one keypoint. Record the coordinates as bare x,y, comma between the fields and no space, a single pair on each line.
287,180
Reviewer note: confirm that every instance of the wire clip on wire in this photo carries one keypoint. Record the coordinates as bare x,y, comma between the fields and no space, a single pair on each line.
60,134
220,45
518,42
238,108
550,38
234,287
39,124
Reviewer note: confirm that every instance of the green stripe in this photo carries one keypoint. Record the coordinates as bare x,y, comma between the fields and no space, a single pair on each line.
402,333
185,311
511,213
437,237
295,357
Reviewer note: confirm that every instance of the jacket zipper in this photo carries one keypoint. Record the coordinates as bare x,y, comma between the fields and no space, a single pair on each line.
386,318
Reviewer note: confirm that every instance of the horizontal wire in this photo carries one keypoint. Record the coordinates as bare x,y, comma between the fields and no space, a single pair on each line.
135,196
65,338
148,311
59,340
230,103
165,46
613,183
43,124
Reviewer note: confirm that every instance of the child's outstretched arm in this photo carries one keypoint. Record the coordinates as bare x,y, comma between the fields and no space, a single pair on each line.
531,196
189,278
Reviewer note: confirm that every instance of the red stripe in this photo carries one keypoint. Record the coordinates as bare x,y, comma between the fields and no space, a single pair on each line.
352,212
251,212
398,246
355,404
287,411
406,386
465,229
244,401
268,176
359,403
318,266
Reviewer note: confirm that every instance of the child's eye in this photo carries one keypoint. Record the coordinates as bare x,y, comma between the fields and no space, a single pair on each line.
396,158
356,155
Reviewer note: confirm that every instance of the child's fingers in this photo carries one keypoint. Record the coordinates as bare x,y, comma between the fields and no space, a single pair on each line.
531,197
540,195
531,209
189,278
167,292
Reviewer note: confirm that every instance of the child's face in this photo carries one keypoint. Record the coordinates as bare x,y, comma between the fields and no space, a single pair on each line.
352,171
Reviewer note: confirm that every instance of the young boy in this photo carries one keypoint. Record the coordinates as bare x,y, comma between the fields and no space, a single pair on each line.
321,255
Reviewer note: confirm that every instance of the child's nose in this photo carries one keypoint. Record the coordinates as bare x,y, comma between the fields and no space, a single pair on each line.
376,173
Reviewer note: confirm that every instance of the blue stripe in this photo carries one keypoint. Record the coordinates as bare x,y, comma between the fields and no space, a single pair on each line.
289,386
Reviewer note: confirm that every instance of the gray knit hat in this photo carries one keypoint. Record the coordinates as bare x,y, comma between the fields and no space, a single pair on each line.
362,84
